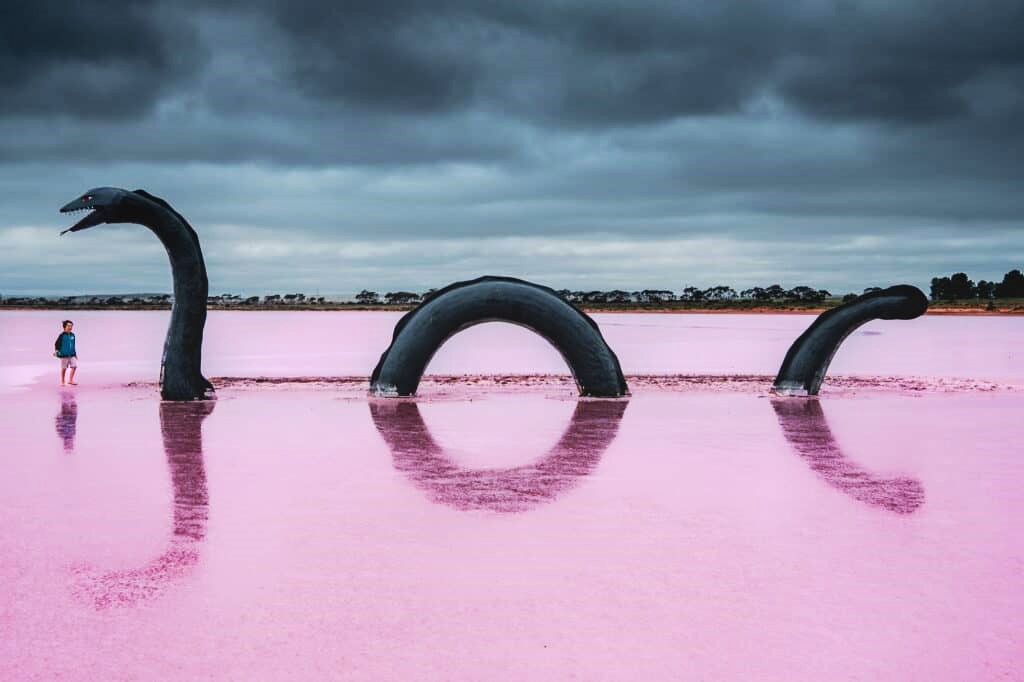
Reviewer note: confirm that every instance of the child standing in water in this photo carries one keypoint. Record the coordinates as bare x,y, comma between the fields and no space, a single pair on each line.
64,348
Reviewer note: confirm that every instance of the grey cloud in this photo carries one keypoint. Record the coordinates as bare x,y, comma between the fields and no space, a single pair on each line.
308,82
564,65
590,64
598,63
337,264
904,63
92,59
806,122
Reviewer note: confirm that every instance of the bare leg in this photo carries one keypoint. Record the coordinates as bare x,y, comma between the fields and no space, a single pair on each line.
71,379
62,371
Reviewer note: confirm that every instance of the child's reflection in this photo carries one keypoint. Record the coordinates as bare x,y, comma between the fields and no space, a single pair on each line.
66,421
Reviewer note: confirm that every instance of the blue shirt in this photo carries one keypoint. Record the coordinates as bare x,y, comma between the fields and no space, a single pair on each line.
67,345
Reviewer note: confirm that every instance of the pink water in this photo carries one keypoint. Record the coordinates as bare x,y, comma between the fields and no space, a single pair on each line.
498,528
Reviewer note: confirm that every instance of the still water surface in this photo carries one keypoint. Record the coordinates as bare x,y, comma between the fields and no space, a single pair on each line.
500,528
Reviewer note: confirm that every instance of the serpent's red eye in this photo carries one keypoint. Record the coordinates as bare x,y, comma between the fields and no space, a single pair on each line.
87,197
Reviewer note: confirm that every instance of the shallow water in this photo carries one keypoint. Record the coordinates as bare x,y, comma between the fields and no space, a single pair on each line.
500,528
126,346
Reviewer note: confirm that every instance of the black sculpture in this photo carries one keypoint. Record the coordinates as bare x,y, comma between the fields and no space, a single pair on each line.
591,430
808,358
805,428
448,311
181,375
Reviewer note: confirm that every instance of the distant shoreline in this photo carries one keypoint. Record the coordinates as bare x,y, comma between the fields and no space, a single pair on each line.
1012,307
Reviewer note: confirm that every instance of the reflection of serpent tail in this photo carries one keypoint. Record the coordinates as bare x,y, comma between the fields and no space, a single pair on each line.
808,358
181,428
591,430
805,428
448,311
181,370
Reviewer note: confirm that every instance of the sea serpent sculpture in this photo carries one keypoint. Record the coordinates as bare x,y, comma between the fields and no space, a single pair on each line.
181,375
807,361
420,333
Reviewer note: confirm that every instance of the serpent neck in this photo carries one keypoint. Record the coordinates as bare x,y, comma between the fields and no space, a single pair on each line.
183,346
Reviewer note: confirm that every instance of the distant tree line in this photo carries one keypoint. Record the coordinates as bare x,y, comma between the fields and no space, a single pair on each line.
272,299
772,294
365,297
959,286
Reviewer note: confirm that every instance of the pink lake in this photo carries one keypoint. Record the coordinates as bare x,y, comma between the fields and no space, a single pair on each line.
499,528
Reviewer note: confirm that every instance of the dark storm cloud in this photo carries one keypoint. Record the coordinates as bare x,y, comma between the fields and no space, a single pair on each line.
582,63
596,63
91,59
562,64
811,123
903,62
394,57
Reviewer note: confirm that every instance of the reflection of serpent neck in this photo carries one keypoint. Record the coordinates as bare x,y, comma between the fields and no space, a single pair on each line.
805,428
591,430
181,428
181,369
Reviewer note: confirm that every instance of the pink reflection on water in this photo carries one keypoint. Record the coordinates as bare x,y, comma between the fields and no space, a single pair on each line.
804,426
181,430
591,430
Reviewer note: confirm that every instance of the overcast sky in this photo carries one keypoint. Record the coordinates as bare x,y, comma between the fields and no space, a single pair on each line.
331,146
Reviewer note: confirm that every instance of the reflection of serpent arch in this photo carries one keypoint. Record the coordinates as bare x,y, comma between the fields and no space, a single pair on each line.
420,333
591,430
181,375
181,428
807,360
805,428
